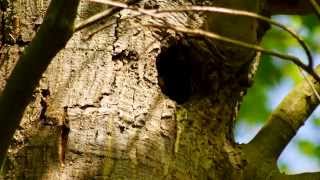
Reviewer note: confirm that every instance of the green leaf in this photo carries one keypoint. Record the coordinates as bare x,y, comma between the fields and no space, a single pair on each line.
316,122
307,147
283,168
254,108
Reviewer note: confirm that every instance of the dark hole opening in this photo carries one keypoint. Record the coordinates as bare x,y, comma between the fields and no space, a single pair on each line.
175,72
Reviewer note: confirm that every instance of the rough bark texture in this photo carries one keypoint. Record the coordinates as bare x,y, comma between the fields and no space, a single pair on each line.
106,91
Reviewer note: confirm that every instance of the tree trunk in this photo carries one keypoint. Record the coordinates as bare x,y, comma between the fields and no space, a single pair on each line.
133,102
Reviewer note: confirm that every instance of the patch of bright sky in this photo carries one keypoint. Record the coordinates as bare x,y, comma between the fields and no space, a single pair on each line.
294,23
291,156
244,132
297,162
316,35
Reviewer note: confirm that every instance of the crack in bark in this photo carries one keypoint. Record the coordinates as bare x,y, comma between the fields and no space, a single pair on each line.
45,93
64,135
85,106
61,122
116,36
2,29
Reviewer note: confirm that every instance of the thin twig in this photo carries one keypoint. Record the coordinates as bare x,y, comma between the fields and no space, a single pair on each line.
235,12
104,14
155,13
246,14
212,35
106,25
257,16
315,7
93,32
127,6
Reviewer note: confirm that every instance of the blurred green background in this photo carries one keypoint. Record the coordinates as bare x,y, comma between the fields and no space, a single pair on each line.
274,79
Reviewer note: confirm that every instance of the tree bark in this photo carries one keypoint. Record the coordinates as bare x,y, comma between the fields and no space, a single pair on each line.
133,102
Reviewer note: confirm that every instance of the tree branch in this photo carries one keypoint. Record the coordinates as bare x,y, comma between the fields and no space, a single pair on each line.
56,30
316,7
236,12
299,7
157,14
99,16
285,121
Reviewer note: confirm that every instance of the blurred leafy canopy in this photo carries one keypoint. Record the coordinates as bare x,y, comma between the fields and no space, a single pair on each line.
272,72
309,148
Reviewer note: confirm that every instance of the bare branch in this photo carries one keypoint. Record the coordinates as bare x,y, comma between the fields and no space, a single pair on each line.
155,13
246,14
211,35
95,18
315,7
285,121
127,6
54,32
256,16
99,16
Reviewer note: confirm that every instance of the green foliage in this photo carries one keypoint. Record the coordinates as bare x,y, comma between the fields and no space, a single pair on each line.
254,108
311,25
316,122
306,147
283,168
309,148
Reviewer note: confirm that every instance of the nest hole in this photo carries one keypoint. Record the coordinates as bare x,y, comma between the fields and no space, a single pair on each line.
175,72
